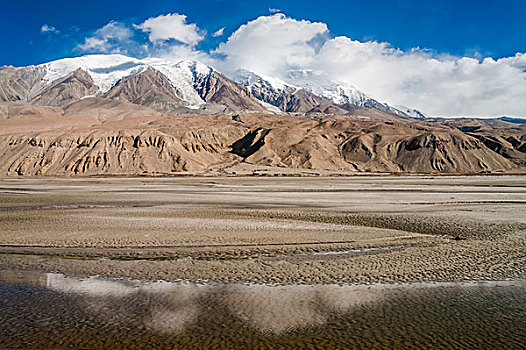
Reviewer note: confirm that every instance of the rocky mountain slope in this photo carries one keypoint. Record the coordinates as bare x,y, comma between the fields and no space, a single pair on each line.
91,137
305,83
505,138
66,90
21,83
148,88
217,88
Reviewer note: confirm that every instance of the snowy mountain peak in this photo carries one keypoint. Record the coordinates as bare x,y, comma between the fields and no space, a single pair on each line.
184,76
337,92
197,68
107,70
272,90
414,113
249,78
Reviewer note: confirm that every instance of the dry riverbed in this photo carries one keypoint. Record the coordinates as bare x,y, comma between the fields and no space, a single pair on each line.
268,230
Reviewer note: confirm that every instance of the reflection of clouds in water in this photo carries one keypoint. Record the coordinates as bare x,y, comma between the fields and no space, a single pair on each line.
92,286
342,298
275,309
162,306
107,287
172,321
164,315
171,307
279,309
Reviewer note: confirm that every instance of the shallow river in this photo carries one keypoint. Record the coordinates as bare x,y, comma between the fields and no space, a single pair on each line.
52,311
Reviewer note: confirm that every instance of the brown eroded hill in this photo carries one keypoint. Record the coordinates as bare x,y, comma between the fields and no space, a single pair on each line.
506,139
96,136
303,101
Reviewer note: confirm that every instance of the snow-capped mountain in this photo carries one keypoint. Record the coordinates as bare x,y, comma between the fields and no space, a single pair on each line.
177,86
107,70
267,89
184,84
414,113
271,90
338,93
286,97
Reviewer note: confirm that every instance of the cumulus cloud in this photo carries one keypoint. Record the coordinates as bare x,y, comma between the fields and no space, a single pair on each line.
273,44
273,10
219,33
171,26
183,52
47,29
114,37
439,85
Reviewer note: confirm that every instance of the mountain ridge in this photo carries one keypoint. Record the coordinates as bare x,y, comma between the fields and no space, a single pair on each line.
150,143
188,79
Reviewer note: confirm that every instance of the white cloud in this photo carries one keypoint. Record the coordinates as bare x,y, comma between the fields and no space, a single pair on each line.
442,86
273,44
439,85
183,52
115,30
273,10
219,33
171,26
95,44
114,37
47,29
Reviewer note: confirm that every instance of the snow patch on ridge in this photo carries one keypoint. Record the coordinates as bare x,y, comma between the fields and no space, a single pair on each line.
105,70
339,93
183,76
412,112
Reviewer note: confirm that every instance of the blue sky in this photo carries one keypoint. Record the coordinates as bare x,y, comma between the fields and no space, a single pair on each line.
458,27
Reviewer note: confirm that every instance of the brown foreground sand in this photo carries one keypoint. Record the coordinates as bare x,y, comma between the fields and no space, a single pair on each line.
268,230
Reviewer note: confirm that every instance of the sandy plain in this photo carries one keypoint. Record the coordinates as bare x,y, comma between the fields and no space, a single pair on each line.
337,230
